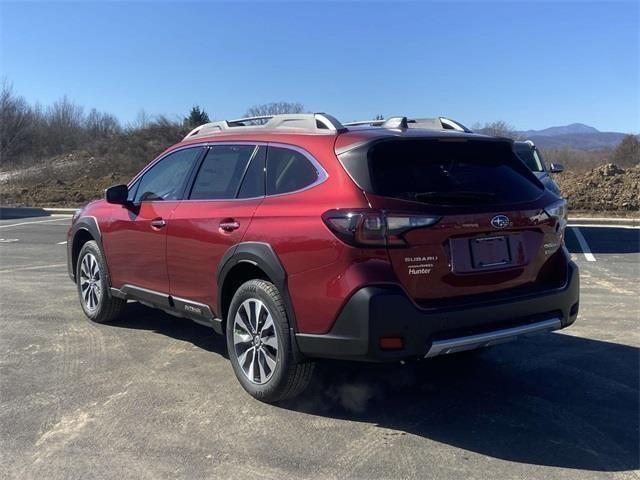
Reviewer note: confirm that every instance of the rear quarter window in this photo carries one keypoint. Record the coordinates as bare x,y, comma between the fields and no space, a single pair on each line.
289,170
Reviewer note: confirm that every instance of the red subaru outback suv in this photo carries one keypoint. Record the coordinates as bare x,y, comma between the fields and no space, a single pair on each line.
301,238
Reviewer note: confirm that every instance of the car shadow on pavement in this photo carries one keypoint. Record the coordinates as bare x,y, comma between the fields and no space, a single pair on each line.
605,240
553,400
139,317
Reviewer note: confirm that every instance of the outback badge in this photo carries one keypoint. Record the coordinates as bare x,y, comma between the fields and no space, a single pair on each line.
500,221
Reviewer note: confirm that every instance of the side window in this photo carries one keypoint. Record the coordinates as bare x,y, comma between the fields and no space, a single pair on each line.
222,171
166,179
253,181
132,191
288,170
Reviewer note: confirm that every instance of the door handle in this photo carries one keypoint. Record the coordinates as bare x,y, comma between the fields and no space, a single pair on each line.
158,223
229,225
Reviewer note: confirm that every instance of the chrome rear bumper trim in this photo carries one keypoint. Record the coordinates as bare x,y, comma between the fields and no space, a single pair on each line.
451,345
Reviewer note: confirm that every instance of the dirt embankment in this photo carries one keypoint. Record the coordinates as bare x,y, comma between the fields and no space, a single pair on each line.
57,192
58,183
607,188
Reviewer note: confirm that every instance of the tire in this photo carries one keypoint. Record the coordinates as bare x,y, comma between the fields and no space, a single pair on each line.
93,286
259,344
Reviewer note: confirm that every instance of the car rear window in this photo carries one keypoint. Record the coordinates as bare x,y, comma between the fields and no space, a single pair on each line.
443,172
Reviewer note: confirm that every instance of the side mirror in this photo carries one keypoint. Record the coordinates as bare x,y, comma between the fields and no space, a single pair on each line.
117,194
556,168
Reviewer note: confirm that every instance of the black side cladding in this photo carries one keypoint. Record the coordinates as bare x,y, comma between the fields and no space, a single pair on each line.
262,256
82,227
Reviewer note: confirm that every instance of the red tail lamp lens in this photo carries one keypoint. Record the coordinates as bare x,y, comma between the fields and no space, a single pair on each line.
374,228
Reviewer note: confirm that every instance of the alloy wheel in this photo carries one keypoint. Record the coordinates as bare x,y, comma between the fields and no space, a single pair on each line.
255,341
90,285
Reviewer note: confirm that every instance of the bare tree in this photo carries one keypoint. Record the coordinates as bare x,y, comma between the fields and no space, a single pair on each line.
142,120
274,108
65,121
627,154
499,128
16,124
101,124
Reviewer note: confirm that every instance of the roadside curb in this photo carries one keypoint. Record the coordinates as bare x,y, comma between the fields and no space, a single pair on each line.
60,211
25,212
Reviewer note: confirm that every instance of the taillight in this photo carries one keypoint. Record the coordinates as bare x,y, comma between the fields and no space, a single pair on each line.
374,228
559,210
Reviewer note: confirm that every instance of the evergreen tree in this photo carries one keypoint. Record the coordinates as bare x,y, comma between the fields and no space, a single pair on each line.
196,117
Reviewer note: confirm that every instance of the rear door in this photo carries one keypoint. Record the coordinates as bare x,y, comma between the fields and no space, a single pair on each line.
226,191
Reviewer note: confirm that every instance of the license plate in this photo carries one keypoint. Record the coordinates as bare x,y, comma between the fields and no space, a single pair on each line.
487,252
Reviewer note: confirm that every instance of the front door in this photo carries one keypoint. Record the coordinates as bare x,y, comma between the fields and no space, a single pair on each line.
135,238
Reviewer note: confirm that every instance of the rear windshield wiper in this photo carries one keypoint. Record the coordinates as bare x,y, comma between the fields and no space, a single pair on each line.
453,196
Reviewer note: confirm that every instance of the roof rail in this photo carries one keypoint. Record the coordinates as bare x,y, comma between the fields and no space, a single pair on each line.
438,123
315,122
449,124
373,123
395,122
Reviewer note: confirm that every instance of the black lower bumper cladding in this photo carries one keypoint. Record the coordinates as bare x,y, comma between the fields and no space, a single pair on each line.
382,312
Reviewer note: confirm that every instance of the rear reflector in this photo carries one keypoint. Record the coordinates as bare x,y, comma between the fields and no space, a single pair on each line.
391,343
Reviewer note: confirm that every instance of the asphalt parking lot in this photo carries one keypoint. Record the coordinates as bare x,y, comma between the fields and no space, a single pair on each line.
154,396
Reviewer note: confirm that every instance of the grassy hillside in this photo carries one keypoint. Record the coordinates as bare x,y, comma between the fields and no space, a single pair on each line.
72,179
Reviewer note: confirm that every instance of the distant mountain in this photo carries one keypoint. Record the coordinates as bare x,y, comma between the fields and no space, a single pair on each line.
574,128
576,135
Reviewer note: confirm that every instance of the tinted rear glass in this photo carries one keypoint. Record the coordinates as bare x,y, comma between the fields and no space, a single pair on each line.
443,172
253,182
288,171
221,172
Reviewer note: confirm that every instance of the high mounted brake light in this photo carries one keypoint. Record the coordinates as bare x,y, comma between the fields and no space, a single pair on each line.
374,228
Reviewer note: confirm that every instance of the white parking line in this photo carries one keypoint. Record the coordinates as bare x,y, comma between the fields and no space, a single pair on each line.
594,225
62,243
37,221
583,245
34,267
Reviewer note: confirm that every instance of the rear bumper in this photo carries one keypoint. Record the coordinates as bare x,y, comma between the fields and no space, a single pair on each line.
381,311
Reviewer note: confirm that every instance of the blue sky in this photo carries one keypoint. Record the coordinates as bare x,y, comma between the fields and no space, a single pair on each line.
533,65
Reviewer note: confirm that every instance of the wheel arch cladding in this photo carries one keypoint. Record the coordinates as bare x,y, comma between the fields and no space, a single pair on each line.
84,230
251,258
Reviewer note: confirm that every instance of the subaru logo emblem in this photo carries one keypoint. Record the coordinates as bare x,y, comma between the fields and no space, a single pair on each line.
500,221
